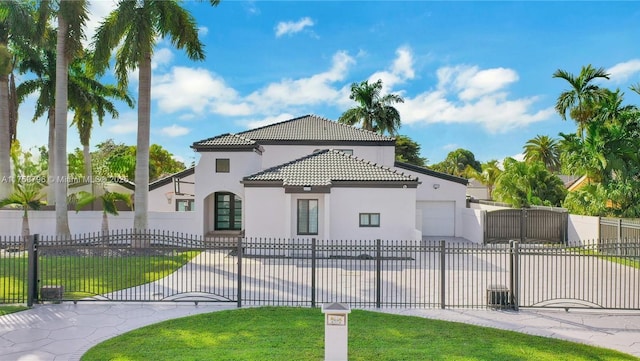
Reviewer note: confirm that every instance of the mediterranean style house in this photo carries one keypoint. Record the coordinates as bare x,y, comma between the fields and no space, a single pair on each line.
311,177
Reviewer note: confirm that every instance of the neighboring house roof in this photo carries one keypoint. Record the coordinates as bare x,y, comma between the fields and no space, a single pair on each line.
577,183
330,168
308,129
432,173
569,180
168,179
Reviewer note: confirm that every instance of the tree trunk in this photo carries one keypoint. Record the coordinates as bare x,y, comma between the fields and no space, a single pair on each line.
141,194
51,199
86,156
60,157
105,224
25,226
5,139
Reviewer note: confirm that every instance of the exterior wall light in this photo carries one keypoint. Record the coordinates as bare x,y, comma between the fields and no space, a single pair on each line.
436,186
306,189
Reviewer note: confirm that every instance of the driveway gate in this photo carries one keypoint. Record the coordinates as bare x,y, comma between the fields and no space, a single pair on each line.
526,225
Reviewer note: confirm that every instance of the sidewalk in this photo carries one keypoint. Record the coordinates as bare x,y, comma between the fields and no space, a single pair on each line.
66,331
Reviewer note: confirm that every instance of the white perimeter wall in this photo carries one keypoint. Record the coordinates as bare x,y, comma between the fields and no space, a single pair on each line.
44,222
473,225
583,229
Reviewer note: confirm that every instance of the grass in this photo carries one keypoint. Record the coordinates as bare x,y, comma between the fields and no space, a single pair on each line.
5,310
89,275
297,334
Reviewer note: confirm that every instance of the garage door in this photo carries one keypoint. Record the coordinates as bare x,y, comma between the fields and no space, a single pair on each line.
438,218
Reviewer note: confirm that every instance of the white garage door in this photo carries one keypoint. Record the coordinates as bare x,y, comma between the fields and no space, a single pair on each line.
438,218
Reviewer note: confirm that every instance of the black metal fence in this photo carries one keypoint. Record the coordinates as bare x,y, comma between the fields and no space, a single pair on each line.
157,266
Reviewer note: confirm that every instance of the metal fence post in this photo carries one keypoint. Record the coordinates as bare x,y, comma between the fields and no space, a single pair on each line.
313,272
378,273
239,252
32,272
442,273
523,224
514,274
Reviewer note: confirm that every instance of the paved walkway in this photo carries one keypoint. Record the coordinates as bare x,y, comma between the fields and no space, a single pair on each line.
66,331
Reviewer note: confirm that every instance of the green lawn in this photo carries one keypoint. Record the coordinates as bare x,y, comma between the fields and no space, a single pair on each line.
297,334
5,310
89,275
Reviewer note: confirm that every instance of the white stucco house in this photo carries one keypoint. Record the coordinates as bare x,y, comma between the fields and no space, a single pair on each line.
311,177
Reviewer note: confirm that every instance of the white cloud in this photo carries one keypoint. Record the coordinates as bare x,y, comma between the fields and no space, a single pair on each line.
194,89
125,127
174,130
401,70
256,123
162,56
292,27
203,31
621,72
304,91
97,10
481,98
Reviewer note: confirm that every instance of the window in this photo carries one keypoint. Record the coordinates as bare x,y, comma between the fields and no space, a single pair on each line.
184,205
222,165
369,219
228,212
307,216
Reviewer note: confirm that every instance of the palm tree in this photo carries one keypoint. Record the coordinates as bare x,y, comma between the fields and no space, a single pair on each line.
88,96
543,149
609,108
489,175
108,200
135,26
15,28
581,96
72,16
374,111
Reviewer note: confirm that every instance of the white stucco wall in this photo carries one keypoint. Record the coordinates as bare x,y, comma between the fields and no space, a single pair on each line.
43,222
279,154
583,229
266,213
395,205
163,199
208,181
473,225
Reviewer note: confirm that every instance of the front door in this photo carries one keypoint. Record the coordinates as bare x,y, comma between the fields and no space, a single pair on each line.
228,212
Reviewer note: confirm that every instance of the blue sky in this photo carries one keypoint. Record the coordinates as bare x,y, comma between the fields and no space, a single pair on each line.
474,75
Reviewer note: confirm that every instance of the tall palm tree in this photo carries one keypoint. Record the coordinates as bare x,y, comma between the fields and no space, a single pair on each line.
543,149
609,108
72,16
578,100
375,112
16,20
87,97
135,26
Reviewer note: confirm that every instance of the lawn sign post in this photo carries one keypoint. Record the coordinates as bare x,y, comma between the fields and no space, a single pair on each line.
336,332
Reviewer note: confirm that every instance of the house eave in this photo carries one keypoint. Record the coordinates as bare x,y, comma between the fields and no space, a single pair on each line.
431,173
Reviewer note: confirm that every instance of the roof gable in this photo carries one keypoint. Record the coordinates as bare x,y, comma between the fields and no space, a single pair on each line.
308,129
330,167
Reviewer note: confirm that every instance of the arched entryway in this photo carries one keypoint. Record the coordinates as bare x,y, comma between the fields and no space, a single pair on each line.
223,213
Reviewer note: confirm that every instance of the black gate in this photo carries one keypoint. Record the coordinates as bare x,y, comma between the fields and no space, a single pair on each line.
526,225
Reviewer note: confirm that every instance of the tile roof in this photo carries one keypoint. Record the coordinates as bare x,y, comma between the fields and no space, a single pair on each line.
225,140
327,167
309,129
430,172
